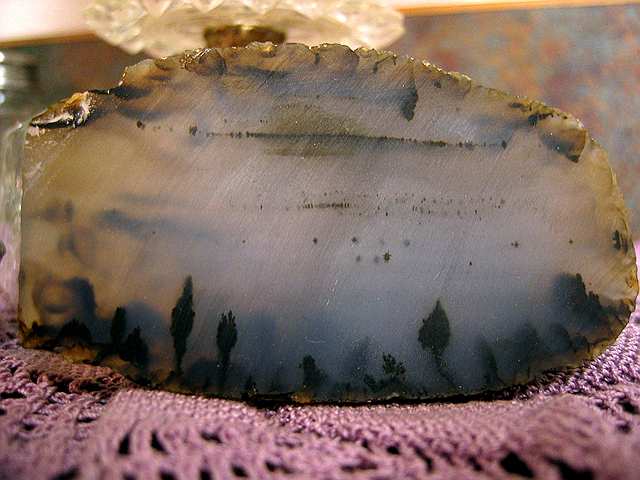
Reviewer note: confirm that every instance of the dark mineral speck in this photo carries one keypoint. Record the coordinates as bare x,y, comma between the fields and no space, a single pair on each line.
182,317
620,242
313,376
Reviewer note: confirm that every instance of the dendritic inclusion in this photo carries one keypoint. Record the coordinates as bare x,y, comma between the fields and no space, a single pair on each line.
319,224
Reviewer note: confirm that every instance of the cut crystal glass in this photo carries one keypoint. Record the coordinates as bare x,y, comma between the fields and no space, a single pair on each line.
166,27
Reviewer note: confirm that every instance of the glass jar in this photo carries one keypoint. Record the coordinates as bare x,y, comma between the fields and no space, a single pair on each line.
19,101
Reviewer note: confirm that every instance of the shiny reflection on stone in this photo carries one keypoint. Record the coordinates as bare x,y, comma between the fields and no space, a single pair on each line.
319,224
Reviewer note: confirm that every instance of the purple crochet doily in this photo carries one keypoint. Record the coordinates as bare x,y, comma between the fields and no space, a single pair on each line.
65,421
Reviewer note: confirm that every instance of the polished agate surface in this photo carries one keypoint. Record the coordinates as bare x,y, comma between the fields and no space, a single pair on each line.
319,224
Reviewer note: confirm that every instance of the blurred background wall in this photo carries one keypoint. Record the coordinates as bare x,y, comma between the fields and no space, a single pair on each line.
583,60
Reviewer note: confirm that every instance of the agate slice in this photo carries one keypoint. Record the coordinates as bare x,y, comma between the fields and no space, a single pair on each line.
319,224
